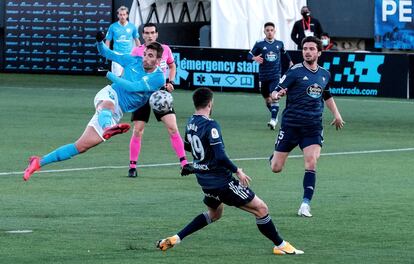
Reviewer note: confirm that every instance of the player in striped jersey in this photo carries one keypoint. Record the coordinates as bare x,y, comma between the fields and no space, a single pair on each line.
214,172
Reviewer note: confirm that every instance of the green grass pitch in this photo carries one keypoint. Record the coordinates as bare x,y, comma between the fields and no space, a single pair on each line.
363,205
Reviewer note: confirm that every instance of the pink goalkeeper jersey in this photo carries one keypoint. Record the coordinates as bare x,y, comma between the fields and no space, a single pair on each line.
167,57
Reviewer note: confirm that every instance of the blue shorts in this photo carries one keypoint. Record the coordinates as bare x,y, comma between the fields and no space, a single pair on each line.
289,137
267,87
234,194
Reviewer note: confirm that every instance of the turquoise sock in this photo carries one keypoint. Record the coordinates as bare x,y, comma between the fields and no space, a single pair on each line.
63,153
105,118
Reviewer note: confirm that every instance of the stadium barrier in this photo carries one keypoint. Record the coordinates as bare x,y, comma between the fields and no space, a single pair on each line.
353,74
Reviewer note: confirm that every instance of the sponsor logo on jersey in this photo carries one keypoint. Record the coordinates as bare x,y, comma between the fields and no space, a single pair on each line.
314,91
271,56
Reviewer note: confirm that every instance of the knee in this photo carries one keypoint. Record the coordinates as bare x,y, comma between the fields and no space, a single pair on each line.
216,214
276,167
262,210
310,163
81,148
138,131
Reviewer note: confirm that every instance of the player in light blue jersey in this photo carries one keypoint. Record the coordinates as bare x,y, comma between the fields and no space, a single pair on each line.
144,77
124,36
214,172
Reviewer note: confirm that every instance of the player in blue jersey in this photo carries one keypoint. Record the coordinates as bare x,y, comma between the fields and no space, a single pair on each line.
214,172
268,54
124,36
307,88
142,78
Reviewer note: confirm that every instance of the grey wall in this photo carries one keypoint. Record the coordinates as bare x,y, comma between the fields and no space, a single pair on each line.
349,18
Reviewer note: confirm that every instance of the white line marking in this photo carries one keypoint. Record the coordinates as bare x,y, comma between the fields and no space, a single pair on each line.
237,159
19,231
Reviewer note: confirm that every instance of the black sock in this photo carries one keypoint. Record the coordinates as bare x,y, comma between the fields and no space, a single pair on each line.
198,222
309,184
268,229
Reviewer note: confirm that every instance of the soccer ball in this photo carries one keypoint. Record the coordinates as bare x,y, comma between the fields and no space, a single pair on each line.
161,101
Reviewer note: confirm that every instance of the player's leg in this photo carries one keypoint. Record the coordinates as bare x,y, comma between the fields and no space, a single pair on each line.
87,140
311,155
265,225
139,118
215,211
311,145
273,105
286,141
108,114
170,121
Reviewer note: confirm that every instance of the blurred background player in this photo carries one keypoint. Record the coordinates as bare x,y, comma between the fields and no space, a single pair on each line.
307,26
307,87
141,116
268,53
124,35
214,171
111,102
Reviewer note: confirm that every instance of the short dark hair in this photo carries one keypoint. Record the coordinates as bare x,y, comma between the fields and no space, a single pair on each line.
269,24
150,25
325,34
313,39
157,47
202,97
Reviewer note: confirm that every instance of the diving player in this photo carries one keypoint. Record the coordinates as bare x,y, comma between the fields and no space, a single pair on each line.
307,88
111,102
214,172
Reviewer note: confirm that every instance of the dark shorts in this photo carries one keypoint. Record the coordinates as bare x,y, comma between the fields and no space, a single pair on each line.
233,194
267,87
143,113
289,137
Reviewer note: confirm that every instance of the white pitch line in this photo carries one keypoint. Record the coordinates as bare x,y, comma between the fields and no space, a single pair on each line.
236,159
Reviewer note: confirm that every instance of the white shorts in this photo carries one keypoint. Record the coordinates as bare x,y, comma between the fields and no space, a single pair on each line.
105,94
116,69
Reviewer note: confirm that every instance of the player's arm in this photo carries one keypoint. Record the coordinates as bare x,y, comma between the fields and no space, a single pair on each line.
171,76
224,161
110,54
338,122
108,37
286,81
149,83
221,156
286,54
172,69
255,54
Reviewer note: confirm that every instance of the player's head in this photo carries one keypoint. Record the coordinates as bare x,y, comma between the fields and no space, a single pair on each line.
269,30
311,49
152,56
122,14
203,98
149,33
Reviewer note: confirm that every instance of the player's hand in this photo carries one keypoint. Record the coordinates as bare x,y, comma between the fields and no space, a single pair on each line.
169,86
258,59
100,36
277,95
243,178
338,122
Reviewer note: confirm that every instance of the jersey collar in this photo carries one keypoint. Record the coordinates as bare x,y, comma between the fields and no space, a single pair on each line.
312,71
